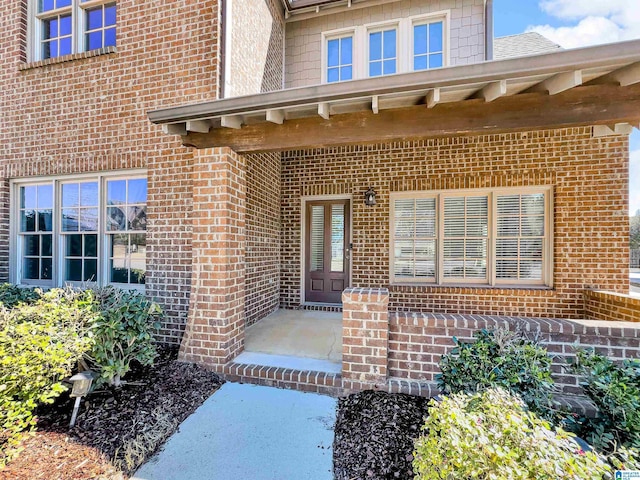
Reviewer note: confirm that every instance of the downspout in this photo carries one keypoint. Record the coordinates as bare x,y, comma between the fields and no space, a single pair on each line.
488,32
222,28
224,63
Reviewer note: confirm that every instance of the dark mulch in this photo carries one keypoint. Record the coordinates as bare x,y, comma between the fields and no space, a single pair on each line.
120,427
374,435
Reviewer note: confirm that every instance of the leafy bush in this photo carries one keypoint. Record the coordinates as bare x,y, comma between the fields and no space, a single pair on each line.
123,332
615,390
12,295
504,359
491,435
40,344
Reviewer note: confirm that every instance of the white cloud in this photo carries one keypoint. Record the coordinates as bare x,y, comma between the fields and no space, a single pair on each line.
634,185
590,22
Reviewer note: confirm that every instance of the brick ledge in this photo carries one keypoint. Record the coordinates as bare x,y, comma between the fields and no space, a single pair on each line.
67,58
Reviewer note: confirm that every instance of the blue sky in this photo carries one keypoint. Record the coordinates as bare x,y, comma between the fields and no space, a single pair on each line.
574,24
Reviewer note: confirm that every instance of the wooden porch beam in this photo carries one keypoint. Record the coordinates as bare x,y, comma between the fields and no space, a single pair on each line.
581,106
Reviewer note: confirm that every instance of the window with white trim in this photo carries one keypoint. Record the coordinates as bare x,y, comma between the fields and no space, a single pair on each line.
489,237
340,59
383,52
428,44
78,230
395,46
62,27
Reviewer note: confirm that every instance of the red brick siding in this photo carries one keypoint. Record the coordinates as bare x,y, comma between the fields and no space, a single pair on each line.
262,257
215,329
417,341
255,59
590,180
365,333
611,306
90,115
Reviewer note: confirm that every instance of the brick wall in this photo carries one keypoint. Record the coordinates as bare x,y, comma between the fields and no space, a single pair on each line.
80,114
590,179
215,330
417,341
611,306
257,39
262,258
303,37
365,334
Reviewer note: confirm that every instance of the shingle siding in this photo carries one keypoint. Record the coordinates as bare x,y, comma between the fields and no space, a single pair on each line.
304,37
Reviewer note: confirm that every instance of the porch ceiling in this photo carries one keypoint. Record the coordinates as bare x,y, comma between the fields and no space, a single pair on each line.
595,85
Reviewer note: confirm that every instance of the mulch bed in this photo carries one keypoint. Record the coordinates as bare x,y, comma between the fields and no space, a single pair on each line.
374,435
116,429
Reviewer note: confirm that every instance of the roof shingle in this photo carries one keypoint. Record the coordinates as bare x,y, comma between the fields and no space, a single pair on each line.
523,44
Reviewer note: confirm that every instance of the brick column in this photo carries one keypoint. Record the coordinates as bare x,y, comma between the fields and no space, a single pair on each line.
215,326
365,334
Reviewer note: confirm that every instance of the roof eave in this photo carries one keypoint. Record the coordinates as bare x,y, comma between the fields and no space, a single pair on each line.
605,58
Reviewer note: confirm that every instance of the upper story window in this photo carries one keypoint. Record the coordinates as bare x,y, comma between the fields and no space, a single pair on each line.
340,59
76,230
62,27
383,52
495,237
395,46
428,45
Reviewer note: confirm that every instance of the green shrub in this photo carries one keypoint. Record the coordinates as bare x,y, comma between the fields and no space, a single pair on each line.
503,359
492,435
12,295
123,333
615,390
40,344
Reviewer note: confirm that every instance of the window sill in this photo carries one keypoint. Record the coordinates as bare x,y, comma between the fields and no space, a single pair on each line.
67,58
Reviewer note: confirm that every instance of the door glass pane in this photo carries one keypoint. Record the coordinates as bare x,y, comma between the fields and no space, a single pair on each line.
337,238
317,238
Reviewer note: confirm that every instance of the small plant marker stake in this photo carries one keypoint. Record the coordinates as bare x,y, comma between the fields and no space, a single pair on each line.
76,407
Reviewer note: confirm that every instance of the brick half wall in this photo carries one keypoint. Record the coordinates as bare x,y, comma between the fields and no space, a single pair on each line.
599,305
417,341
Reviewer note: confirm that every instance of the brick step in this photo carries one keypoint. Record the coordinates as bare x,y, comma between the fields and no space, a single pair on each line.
332,384
324,383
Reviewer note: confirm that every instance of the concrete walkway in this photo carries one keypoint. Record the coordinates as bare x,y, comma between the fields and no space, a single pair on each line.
250,432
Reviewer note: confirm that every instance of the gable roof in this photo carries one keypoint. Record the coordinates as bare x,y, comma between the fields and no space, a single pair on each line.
523,44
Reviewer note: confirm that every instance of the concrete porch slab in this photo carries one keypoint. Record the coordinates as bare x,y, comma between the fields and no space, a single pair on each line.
250,432
297,333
